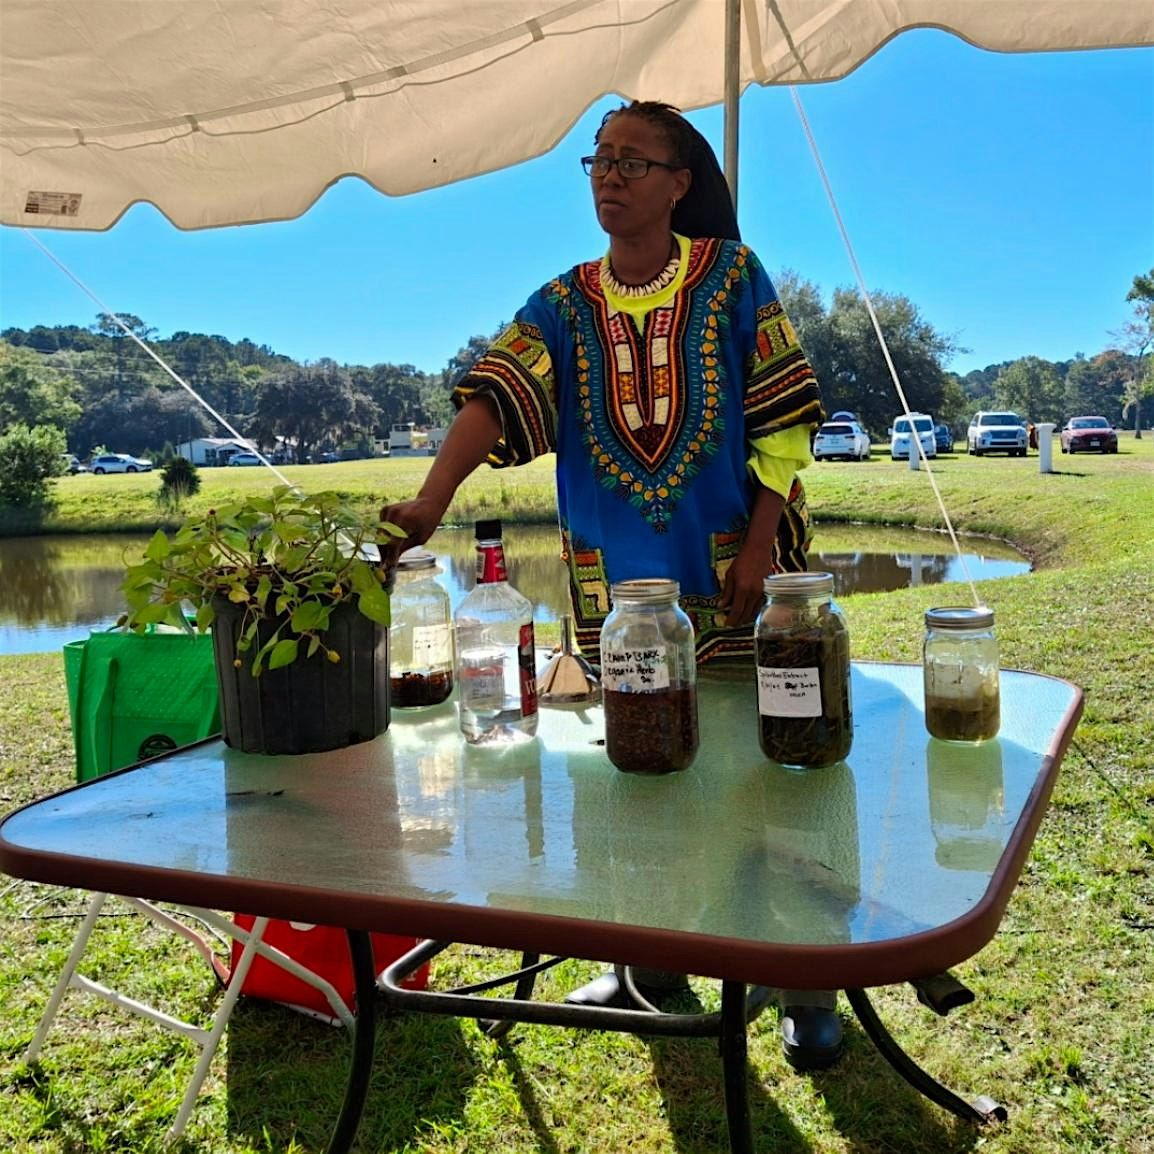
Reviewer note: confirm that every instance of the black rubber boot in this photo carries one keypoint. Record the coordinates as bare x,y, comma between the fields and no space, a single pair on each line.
811,1037
655,986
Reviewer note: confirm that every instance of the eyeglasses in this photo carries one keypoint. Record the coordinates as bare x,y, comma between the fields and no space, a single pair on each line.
630,167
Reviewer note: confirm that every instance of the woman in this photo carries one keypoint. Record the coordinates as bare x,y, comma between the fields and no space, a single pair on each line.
671,386
670,383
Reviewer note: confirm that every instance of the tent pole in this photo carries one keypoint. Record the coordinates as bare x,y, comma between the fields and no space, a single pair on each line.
732,91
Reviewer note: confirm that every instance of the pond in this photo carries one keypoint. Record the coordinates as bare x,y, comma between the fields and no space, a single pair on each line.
55,589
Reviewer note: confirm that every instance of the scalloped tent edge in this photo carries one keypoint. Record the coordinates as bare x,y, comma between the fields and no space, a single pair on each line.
223,114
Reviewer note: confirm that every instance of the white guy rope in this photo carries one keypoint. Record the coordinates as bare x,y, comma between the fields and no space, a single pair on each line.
106,311
914,438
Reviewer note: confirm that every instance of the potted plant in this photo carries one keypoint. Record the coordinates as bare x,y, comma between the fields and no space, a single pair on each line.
297,600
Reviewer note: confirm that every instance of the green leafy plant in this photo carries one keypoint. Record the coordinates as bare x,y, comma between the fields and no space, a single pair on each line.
289,559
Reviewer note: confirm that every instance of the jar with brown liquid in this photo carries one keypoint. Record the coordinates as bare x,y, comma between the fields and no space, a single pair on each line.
960,657
649,678
803,672
421,634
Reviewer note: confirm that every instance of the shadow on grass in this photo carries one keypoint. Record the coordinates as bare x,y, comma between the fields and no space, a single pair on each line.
867,1101
874,1108
71,1128
689,1073
287,1075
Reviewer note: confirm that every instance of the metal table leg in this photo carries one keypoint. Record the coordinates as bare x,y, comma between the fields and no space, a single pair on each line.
733,1048
364,1042
982,1109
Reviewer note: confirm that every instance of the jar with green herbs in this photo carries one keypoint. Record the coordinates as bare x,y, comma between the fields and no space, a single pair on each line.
803,672
960,658
649,678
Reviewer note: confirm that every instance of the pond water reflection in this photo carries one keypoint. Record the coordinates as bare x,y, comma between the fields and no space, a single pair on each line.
56,589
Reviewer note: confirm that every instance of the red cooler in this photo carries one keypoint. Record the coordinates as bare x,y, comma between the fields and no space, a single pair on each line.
325,951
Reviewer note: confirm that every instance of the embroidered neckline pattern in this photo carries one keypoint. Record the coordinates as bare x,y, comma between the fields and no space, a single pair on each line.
636,291
647,431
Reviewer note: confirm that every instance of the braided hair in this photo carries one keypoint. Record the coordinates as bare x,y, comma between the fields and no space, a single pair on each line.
707,208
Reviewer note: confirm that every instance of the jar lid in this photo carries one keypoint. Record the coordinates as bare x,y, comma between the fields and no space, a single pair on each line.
416,558
645,589
798,584
960,617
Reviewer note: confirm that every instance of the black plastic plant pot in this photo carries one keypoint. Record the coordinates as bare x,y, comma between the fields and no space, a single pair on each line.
312,704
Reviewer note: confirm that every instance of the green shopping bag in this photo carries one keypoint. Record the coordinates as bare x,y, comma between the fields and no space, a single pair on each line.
136,695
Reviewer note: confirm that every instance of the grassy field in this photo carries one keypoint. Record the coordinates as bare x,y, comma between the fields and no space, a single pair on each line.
1063,1028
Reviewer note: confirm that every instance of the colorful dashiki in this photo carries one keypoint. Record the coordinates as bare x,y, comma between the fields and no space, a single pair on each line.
652,419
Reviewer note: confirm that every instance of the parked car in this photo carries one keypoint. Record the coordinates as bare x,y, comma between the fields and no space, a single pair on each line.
73,464
846,439
1088,435
900,436
997,432
244,459
120,463
943,439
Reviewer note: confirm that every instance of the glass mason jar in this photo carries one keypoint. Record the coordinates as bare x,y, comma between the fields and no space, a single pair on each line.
960,657
421,635
649,678
803,672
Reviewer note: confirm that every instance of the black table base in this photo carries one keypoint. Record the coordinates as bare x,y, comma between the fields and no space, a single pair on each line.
739,1007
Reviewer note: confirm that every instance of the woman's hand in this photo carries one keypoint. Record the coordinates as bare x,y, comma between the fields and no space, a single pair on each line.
743,593
418,519
471,436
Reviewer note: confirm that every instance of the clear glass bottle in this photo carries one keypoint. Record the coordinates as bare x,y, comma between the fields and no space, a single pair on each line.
421,634
960,657
493,624
649,678
803,672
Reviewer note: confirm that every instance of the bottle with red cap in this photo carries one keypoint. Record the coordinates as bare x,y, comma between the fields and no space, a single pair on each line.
496,678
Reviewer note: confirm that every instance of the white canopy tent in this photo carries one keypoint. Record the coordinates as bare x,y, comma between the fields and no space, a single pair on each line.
225,112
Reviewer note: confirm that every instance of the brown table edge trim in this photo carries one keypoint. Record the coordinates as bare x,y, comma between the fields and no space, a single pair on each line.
859,964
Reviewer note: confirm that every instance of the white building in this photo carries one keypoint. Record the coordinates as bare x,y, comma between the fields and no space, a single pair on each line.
213,450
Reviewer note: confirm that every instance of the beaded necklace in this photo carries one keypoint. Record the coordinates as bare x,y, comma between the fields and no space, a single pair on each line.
633,291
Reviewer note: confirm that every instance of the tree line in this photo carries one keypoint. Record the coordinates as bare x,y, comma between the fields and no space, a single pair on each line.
93,388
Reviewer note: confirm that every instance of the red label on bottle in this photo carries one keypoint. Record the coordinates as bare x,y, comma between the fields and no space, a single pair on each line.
491,564
525,659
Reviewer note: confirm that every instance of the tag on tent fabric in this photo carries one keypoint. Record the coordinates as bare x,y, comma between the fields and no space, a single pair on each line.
42,203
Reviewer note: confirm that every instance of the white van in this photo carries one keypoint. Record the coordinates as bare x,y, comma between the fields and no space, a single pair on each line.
900,436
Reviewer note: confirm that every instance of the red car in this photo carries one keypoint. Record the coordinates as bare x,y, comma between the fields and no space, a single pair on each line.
1088,435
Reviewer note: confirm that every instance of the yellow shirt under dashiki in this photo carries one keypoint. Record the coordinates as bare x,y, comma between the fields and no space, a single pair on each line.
662,411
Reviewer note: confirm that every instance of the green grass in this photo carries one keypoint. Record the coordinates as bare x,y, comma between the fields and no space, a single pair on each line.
1062,1031
125,503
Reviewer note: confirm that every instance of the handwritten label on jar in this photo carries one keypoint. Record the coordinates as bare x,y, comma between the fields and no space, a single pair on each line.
788,692
635,670
431,645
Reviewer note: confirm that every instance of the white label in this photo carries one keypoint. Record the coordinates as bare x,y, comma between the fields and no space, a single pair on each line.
789,692
431,645
635,670
43,203
483,679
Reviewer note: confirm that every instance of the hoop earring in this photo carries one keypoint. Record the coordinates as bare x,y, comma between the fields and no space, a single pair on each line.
672,204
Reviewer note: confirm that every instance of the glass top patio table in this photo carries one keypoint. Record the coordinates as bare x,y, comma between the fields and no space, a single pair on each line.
894,864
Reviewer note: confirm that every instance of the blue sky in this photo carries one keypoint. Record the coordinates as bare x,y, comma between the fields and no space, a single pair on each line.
1011,197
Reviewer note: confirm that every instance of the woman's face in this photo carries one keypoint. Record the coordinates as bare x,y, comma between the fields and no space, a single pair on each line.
631,208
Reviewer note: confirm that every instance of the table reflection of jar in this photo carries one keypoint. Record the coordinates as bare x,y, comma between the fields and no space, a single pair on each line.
421,635
803,672
967,803
649,678
961,674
